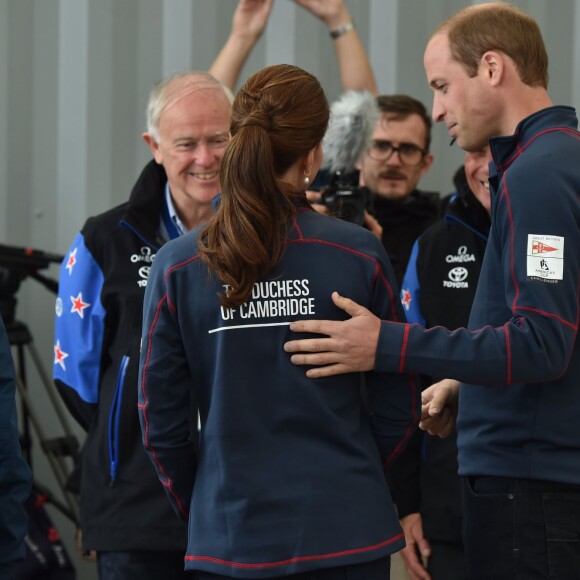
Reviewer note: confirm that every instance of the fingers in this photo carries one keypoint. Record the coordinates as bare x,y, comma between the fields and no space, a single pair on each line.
441,425
411,561
418,572
350,345
424,547
327,363
328,326
313,196
414,565
251,16
433,423
312,351
350,307
316,358
306,345
438,402
373,225
314,327
323,358
440,395
328,371
323,209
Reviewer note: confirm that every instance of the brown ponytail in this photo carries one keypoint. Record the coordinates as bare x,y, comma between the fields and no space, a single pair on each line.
279,115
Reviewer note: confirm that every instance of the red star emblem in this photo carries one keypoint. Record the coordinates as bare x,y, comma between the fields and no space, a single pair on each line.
78,305
59,355
72,260
53,535
406,299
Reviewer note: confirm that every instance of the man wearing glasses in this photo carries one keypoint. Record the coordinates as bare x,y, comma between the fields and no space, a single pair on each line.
399,156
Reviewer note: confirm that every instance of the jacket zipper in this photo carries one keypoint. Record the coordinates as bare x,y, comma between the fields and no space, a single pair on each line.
114,420
127,225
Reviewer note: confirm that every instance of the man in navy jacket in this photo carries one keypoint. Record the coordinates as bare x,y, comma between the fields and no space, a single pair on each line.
519,448
15,477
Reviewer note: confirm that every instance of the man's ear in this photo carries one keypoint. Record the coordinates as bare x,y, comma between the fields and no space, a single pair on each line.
493,65
361,176
154,146
426,163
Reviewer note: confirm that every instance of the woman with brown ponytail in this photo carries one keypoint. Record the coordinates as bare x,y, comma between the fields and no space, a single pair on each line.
286,478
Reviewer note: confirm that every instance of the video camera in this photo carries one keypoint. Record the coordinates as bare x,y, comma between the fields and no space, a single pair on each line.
352,121
16,264
347,200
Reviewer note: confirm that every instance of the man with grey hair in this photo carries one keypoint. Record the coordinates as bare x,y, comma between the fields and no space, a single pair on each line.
125,516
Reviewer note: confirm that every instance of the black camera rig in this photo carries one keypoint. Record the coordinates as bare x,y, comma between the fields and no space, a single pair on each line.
345,199
16,264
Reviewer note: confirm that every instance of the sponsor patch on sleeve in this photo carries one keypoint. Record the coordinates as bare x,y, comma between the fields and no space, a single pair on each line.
545,258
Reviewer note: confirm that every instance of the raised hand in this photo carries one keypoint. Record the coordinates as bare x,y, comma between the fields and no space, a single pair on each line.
248,24
251,17
333,12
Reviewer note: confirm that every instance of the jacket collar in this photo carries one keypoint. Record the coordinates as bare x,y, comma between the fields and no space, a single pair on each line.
506,149
145,203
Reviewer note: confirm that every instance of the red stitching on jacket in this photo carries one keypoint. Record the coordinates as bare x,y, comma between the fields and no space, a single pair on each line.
297,558
573,326
410,428
404,348
505,195
356,253
143,408
522,148
508,348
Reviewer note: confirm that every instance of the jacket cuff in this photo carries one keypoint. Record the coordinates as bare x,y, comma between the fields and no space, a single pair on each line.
390,356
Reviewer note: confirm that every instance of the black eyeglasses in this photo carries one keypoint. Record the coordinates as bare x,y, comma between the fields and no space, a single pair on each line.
409,154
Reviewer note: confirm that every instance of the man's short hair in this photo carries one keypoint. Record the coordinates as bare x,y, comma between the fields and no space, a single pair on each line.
175,86
503,28
399,107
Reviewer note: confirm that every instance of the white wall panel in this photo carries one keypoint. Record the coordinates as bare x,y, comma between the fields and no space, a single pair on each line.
177,35
72,114
383,36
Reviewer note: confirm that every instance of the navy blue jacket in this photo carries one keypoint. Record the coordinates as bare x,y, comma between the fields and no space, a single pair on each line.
15,476
289,472
518,416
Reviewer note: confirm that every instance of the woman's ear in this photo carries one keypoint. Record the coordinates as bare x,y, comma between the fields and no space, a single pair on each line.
313,159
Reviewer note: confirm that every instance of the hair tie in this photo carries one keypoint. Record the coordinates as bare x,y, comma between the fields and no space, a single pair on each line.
260,121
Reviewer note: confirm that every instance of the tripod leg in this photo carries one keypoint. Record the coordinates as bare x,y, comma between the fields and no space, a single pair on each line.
50,390
25,438
56,461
